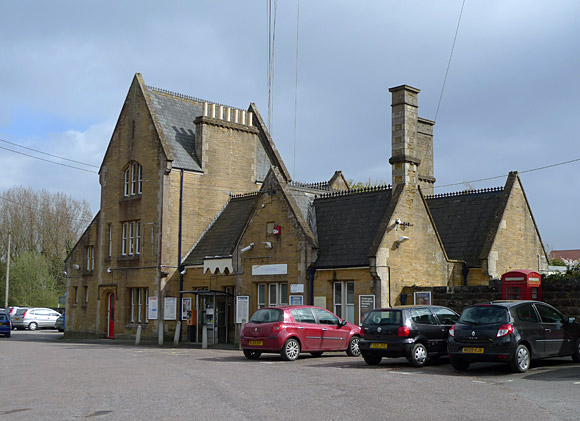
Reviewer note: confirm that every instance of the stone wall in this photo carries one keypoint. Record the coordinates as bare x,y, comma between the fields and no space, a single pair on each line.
564,294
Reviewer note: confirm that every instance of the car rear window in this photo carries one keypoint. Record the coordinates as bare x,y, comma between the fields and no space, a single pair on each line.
20,311
3,317
383,317
482,315
267,315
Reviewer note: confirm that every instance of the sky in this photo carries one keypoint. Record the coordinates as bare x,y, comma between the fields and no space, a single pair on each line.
511,98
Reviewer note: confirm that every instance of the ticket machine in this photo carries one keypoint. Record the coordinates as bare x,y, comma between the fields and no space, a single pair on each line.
521,284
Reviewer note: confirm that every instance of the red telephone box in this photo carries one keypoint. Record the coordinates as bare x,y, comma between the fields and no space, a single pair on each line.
521,284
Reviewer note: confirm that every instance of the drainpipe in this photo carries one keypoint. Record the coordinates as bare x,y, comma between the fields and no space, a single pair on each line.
389,274
311,271
179,266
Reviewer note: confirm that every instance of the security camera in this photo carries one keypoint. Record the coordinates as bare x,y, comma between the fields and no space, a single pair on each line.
183,272
77,267
403,238
109,270
398,221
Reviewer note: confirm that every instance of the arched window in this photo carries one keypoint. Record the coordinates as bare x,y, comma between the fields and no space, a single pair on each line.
133,180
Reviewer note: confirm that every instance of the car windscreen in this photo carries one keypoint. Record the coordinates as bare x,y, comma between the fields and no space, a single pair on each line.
267,315
383,317
484,315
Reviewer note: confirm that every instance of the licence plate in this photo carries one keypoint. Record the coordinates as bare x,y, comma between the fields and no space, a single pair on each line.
472,350
256,343
381,346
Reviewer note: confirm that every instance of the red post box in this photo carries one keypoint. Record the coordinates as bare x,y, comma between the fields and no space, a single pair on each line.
521,284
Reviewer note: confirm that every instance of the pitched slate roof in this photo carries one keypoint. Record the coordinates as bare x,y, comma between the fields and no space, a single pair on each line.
465,220
222,236
176,114
347,225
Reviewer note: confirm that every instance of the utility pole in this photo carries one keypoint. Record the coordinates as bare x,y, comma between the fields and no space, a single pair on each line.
7,271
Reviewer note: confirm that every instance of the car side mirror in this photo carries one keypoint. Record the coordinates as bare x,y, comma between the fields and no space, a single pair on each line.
342,323
571,320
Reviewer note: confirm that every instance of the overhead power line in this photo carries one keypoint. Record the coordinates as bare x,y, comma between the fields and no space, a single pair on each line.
48,160
449,63
48,154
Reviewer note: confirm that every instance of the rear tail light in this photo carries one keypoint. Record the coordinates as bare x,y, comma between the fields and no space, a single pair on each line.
452,331
505,330
24,314
403,331
278,327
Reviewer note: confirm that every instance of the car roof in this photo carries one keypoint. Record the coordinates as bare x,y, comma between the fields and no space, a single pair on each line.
505,303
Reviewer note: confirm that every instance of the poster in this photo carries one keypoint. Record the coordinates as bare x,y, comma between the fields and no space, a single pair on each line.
366,303
242,309
296,300
422,298
185,307
170,308
152,308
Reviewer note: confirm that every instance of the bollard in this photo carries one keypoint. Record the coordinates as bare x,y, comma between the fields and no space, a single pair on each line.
177,334
204,337
138,337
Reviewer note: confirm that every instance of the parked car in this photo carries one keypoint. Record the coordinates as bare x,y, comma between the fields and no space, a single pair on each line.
12,313
5,325
290,330
414,332
513,332
34,318
59,324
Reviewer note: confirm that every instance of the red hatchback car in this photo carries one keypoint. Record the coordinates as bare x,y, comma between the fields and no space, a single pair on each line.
291,330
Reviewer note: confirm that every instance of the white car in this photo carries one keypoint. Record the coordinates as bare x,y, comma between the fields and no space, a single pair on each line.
35,318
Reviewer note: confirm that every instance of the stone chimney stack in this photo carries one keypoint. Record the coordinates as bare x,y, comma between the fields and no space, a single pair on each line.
411,141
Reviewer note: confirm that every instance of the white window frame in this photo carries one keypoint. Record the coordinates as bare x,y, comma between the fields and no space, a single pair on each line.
261,296
90,258
126,183
131,238
134,178
124,240
341,306
110,240
139,179
272,295
138,237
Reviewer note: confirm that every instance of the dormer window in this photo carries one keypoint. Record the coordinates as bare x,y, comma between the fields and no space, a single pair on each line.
133,180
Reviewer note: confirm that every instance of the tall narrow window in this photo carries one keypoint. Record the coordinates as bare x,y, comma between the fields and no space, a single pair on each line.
133,293
261,295
131,237
138,305
86,294
90,251
344,300
283,294
110,252
272,294
138,237
124,240
126,184
139,179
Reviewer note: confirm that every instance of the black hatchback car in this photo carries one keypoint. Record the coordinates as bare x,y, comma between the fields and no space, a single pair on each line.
513,332
414,332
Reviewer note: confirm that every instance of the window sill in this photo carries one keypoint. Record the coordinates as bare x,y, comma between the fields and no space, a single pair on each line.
130,198
128,258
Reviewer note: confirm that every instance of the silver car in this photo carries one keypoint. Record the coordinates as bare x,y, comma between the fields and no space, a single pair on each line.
34,318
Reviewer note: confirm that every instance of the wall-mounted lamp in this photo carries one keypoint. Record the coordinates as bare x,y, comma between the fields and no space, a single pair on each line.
247,248
267,244
183,272
401,239
401,223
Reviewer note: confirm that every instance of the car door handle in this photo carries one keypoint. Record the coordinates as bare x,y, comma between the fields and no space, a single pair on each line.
300,327
548,330
324,329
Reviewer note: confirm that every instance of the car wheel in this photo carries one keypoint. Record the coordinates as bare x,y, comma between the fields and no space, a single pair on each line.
419,355
33,326
576,354
372,359
8,334
252,354
521,360
290,350
460,364
353,350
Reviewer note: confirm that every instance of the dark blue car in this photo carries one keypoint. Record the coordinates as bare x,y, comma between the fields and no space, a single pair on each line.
5,325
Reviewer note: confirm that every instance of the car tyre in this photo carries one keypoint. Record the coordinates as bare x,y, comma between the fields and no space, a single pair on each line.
576,354
33,326
8,334
419,355
521,359
353,349
372,359
459,364
290,350
252,354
